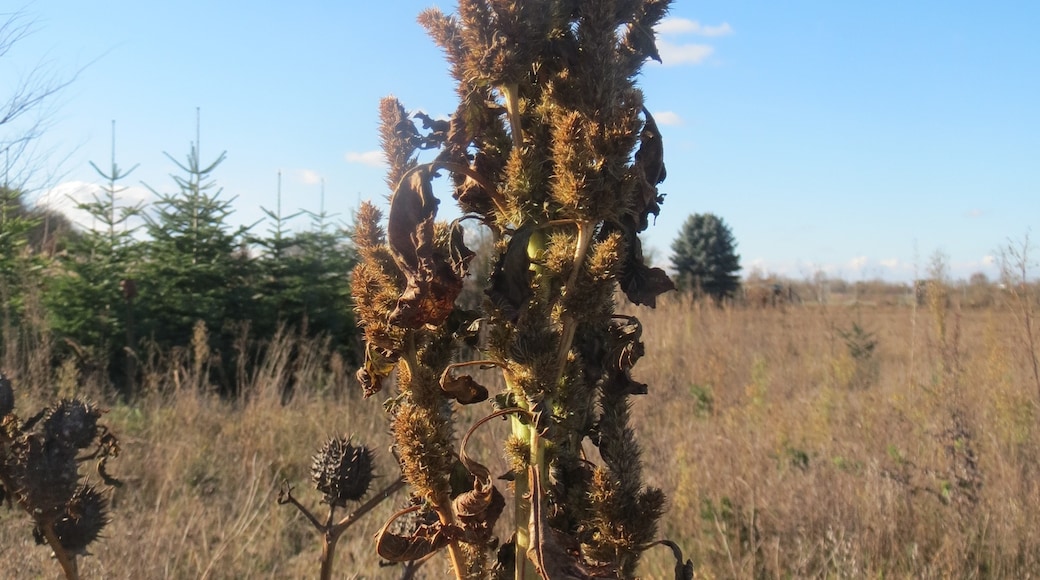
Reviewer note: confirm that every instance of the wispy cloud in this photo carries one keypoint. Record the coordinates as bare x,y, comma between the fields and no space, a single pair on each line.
308,176
687,26
974,213
679,54
675,54
670,118
372,158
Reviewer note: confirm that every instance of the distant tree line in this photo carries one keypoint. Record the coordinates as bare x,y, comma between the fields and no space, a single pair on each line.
107,296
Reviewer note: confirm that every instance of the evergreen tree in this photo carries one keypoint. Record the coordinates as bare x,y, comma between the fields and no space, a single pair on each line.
704,257
196,267
325,260
18,267
306,279
91,298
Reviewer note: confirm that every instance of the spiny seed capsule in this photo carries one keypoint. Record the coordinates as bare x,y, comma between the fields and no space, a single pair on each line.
72,422
342,471
83,520
44,475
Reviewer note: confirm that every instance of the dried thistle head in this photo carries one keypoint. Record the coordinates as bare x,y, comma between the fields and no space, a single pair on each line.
342,471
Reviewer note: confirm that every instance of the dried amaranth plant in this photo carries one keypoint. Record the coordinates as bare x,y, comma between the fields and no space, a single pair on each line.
552,149
39,470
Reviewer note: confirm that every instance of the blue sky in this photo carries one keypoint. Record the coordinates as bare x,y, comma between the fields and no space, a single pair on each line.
854,138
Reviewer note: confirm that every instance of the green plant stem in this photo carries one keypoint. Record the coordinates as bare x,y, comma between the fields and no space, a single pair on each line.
512,98
523,568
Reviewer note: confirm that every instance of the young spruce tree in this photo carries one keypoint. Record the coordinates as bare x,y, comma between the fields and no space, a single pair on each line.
552,149
91,299
195,267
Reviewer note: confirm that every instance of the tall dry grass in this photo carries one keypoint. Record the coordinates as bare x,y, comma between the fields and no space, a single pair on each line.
782,460
784,454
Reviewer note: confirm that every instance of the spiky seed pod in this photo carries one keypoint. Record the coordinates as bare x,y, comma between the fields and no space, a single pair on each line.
6,396
44,475
83,520
72,422
342,471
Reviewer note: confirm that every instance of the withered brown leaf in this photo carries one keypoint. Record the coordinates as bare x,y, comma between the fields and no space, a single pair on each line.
640,283
377,366
462,388
649,171
624,348
424,541
431,281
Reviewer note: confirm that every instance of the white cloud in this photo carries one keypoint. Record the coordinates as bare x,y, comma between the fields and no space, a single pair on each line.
669,118
857,264
308,176
65,196
974,213
677,54
687,26
372,158
989,260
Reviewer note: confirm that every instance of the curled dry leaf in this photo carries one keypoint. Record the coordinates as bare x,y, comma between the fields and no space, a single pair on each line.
624,348
432,282
425,540
510,287
463,388
640,283
377,366
438,131
683,569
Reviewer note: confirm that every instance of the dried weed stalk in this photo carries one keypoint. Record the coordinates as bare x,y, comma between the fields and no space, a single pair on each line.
342,472
39,470
553,151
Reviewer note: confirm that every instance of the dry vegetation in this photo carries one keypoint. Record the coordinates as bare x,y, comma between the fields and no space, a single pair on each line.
786,444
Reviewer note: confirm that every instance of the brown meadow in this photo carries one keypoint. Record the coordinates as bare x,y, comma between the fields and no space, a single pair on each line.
788,446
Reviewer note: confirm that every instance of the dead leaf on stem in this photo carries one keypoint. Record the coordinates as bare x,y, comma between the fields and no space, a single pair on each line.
462,388
432,280
425,540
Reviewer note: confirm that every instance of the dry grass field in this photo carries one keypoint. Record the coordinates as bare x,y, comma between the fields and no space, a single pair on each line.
804,440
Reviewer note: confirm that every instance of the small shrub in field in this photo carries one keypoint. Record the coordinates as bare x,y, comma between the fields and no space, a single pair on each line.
39,470
860,345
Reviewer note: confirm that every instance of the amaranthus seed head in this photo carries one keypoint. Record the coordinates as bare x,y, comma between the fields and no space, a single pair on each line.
342,471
